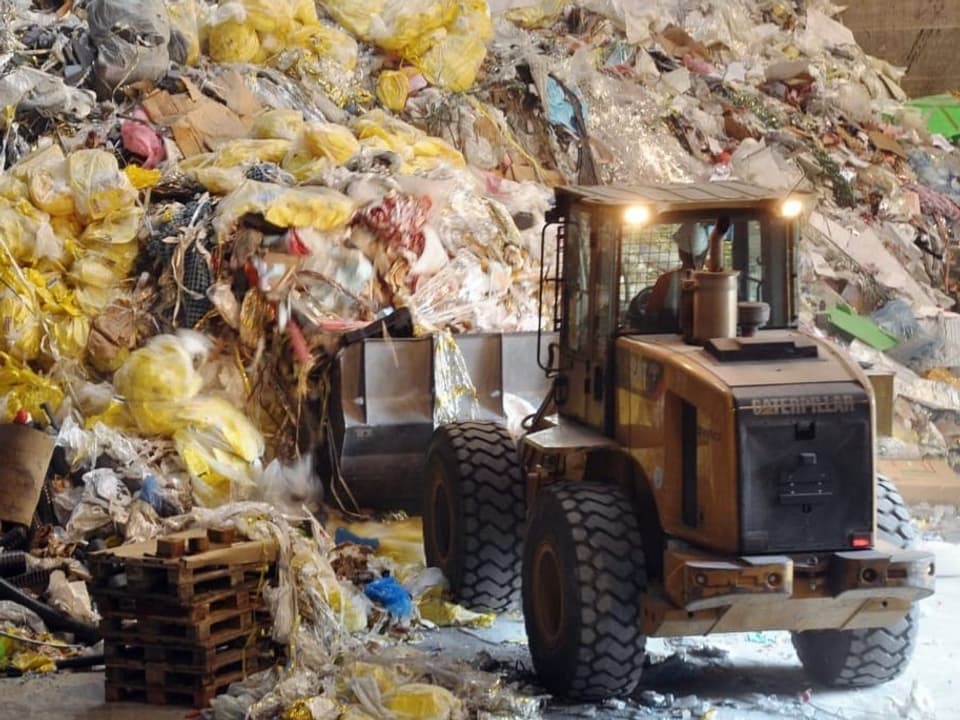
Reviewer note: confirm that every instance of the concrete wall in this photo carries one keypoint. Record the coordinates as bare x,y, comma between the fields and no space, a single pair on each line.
920,35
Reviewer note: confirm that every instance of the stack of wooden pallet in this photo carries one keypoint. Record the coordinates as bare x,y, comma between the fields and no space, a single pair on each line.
183,616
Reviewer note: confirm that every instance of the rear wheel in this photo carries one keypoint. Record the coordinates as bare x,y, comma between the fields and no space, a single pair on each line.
473,513
861,658
583,575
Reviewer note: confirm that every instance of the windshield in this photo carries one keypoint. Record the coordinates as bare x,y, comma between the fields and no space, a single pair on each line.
650,257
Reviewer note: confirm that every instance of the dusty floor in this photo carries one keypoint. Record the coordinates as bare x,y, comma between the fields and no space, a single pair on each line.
741,676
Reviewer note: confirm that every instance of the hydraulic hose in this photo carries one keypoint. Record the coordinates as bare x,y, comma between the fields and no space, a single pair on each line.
12,563
55,620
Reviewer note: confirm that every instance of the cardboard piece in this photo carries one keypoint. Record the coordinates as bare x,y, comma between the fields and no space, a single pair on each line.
677,42
887,144
24,456
929,480
110,333
199,123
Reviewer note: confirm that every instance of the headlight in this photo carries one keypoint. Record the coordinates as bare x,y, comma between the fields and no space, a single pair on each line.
636,215
791,208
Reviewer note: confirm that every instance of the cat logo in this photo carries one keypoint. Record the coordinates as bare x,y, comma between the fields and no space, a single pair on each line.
811,404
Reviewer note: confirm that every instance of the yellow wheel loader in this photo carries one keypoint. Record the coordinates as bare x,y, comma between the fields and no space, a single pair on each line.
697,465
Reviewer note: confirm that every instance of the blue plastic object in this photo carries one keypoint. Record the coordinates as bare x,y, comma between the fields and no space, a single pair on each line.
342,535
391,596
559,110
151,493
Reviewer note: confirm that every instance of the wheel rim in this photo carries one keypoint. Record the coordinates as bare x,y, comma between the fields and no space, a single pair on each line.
441,506
548,604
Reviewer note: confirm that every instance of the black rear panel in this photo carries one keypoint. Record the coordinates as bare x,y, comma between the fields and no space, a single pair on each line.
806,467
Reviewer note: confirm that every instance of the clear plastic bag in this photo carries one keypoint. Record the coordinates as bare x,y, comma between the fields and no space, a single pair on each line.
140,52
105,502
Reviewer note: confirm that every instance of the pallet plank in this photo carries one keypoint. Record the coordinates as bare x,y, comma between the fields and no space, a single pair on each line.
124,604
208,632
190,660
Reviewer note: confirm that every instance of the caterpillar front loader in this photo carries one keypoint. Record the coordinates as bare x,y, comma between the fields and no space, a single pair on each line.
696,466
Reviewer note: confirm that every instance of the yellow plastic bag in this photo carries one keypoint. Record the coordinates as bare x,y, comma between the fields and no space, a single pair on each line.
403,22
302,164
393,87
269,16
242,152
447,614
326,41
69,334
349,609
119,259
217,476
545,13
431,147
117,228
305,12
330,140
355,15
220,424
141,178
401,541
315,207
419,701
386,677
233,42
12,188
453,58
21,387
67,228
92,271
163,369
219,180
278,124
355,713
185,17
99,188
26,233
22,331
31,661
45,173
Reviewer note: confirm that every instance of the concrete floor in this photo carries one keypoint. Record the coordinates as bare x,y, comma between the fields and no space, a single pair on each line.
740,676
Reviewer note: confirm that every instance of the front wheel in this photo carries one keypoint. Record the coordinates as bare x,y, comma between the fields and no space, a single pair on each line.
474,513
872,656
583,577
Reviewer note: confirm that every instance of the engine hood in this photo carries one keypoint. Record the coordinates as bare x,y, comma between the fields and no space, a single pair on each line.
773,357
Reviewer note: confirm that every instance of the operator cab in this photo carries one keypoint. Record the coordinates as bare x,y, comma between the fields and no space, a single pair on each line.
703,261
618,241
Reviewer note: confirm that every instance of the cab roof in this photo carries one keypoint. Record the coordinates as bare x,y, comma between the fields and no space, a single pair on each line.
676,196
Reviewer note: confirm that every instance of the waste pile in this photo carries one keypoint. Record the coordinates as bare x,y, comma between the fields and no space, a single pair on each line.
200,201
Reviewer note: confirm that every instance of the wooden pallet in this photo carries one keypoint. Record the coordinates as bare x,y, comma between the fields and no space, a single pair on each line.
208,567
121,603
210,631
157,675
171,695
134,655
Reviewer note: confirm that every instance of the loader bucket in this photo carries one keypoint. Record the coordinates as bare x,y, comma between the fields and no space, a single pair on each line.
384,403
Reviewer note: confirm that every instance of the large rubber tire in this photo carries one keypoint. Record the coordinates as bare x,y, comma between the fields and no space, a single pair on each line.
474,514
863,658
583,576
